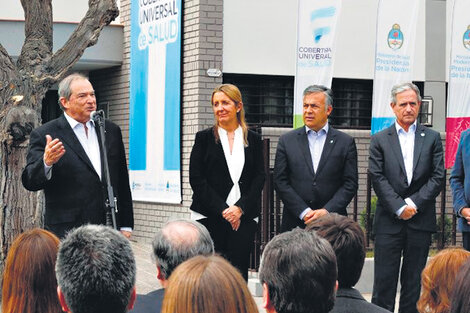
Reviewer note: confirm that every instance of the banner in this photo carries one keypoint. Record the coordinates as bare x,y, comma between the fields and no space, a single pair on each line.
458,100
316,45
394,53
155,97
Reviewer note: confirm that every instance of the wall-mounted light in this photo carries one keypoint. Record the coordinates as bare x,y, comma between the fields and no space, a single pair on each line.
214,72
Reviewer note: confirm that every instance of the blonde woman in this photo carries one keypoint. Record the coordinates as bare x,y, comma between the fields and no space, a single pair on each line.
226,173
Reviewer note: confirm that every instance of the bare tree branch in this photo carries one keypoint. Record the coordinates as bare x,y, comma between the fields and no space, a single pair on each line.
8,77
7,67
100,13
38,34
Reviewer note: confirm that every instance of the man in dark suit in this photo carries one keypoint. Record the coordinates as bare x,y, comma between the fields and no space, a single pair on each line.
177,241
407,169
349,243
460,184
65,160
315,171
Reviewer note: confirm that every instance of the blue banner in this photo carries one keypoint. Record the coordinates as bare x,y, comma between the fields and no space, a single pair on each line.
155,101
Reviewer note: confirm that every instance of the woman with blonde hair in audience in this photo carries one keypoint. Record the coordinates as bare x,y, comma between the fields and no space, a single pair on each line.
437,280
29,283
460,299
207,284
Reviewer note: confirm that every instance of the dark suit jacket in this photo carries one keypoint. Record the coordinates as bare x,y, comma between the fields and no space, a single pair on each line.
210,178
460,179
332,186
349,300
149,303
75,193
387,170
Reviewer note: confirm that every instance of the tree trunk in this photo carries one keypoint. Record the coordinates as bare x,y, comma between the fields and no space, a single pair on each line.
22,89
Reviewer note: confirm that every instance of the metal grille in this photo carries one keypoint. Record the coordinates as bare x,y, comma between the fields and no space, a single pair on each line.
268,100
352,103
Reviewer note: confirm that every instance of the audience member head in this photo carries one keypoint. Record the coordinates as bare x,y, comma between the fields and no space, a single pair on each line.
29,283
349,243
95,271
437,280
207,284
177,241
298,273
460,295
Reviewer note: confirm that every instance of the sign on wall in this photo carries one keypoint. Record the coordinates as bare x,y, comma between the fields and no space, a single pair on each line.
316,46
155,97
458,101
395,50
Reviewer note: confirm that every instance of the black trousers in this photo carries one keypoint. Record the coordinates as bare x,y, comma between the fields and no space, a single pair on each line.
235,246
389,248
466,240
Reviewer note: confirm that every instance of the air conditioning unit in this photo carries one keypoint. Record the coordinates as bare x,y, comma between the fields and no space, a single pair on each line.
425,112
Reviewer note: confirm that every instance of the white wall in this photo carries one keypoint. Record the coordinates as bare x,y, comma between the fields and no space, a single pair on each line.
62,10
260,38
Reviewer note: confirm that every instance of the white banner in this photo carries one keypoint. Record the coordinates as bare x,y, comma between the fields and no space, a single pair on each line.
458,100
155,97
316,45
395,50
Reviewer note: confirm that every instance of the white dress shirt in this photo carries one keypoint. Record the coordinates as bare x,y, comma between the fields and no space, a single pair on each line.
89,142
407,145
316,142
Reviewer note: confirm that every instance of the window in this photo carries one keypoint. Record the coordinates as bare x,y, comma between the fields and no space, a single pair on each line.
268,99
352,104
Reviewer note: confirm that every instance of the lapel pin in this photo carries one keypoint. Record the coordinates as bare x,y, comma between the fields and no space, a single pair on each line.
422,134
331,141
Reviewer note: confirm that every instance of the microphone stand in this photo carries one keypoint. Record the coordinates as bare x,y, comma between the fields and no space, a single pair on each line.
110,203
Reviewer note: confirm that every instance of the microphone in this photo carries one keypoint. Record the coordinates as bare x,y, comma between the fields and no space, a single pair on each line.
97,116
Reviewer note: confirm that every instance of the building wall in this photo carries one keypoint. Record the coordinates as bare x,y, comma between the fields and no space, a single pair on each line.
205,45
260,38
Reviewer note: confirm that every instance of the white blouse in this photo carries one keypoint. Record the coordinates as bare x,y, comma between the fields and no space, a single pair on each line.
235,163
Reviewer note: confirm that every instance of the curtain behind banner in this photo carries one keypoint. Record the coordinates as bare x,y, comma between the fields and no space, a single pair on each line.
155,89
395,50
316,45
458,103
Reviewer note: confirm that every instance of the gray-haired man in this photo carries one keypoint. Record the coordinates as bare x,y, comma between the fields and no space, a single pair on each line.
177,241
95,271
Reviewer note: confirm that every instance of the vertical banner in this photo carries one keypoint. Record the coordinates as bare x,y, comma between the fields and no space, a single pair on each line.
316,45
458,101
395,49
155,97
